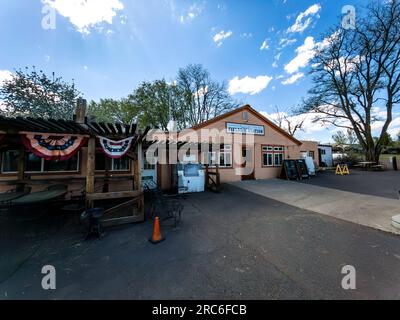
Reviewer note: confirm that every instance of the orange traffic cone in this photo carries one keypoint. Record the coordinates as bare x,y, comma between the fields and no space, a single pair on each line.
156,237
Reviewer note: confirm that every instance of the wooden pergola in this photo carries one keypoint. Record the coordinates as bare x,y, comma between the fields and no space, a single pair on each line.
11,128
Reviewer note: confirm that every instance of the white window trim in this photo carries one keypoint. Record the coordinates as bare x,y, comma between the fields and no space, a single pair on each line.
215,156
274,151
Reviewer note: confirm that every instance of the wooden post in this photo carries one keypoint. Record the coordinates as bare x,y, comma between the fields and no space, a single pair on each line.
80,111
90,169
106,185
21,165
138,167
138,177
217,178
206,176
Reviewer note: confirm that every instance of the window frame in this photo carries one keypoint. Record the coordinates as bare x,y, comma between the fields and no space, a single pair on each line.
112,170
273,151
42,166
226,150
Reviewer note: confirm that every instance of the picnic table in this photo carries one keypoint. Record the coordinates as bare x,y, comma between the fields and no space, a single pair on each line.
368,165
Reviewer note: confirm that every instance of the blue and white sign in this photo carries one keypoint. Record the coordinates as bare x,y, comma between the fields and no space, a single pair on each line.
245,128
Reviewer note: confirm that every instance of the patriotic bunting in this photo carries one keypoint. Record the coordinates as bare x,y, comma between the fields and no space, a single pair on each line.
115,149
53,146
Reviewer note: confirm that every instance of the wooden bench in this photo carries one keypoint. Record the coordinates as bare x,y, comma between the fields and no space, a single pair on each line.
134,203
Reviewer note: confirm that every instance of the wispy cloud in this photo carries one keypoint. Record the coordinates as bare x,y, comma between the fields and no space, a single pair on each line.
293,78
248,85
306,52
86,14
304,55
221,36
264,45
284,42
194,11
304,19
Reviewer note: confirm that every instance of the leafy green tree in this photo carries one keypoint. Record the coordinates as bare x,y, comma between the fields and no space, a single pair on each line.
123,111
157,103
32,93
193,98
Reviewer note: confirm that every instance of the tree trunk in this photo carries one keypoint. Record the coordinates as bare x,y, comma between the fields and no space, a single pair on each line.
371,154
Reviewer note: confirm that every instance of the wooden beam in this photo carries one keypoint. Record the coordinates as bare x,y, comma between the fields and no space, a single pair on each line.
114,195
90,170
21,165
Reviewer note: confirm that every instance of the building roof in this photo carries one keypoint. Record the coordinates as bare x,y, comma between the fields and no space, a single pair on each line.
252,111
19,124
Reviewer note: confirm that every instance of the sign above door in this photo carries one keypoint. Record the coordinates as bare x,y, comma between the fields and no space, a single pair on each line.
245,128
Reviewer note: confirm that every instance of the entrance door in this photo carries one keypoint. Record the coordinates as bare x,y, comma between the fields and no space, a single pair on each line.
247,163
149,174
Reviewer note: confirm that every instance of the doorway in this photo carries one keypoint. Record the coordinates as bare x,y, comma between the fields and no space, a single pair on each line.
248,163
149,172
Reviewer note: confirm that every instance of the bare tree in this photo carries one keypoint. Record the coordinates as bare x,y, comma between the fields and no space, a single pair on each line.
290,122
356,73
203,97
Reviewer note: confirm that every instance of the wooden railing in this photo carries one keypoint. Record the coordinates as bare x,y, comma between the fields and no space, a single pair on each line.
213,179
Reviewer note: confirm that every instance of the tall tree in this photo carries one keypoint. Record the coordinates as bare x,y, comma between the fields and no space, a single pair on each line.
358,72
202,97
123,111
32,93
157,103
288,121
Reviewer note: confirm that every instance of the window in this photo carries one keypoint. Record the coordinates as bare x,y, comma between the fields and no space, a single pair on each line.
311,154
224,155
35,164
323,152
147,165
245,116
9,161
272,156
121,164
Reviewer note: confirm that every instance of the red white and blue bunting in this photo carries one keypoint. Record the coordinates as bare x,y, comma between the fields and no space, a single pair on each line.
115,149
53,147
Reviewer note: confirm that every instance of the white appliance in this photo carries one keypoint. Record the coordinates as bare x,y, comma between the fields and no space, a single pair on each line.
310,165
190,178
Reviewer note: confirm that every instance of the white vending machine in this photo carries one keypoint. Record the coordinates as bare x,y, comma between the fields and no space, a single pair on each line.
190,178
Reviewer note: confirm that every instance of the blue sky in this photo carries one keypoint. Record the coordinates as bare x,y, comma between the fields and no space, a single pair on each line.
262,49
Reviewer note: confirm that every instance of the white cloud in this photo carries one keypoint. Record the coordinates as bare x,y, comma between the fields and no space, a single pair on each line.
284,42
305,18
194,11
309,127
221,36
293,78
248,85
304,55
86,14
5,75
265,45
306,52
